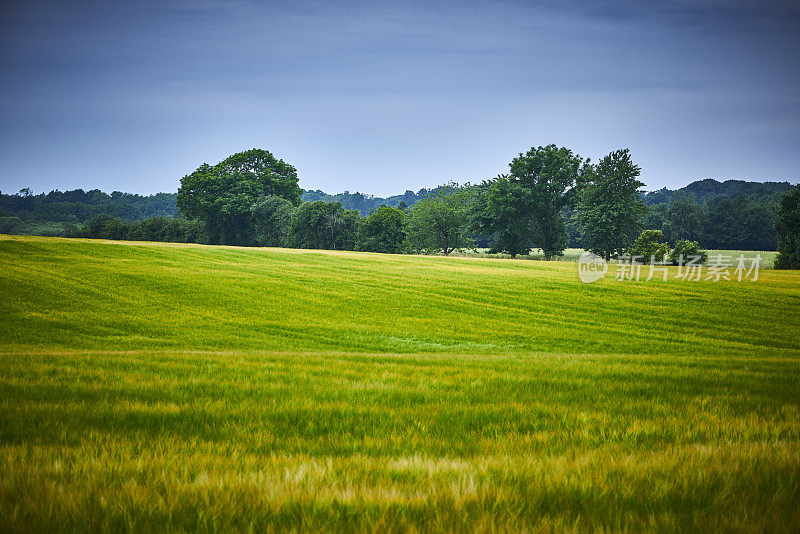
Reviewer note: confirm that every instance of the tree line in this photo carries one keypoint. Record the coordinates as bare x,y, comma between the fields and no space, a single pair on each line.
59,213
551,198
365,204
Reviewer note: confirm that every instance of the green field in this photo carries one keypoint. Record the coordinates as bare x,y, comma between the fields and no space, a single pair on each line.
186,387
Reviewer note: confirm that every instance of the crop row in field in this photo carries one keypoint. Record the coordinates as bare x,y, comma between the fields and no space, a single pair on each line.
157,387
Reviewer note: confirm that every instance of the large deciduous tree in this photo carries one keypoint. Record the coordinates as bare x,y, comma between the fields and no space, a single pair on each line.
222,196
610,207
524,208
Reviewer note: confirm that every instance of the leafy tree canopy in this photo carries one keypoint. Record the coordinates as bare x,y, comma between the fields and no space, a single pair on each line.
500,211
610,207
383,231
685,251
222,195
325,225
272,221
684,220
523,209
650,247
441,220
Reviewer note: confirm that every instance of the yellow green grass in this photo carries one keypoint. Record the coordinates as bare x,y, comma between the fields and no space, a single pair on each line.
185,387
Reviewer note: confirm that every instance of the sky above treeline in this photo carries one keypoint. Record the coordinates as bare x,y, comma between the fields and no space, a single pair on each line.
381,97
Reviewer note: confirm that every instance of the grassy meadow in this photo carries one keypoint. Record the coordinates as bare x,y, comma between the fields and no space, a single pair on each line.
184,387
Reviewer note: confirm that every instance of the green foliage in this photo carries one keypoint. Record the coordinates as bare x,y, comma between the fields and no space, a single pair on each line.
43,228
524,208
51,213
163,229
787,225
549,175
222,196
649,247
655,216
708,191
734,214
366,204
325,225
168,230
572,227
684,220
610,206
739,223
271,218
10,225
730,223
499,211
383,231
106,227
440,222
686,251
271,176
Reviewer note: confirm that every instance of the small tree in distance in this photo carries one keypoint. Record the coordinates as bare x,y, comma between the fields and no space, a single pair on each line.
649,246
440,221
686,251
610,207
382,231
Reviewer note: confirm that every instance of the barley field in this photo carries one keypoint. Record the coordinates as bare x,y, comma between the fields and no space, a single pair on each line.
164,387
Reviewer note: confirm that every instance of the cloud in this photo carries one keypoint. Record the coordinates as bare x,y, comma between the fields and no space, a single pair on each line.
383,97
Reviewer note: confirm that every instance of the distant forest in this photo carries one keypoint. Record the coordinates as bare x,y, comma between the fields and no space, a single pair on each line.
55,212
702,192
733,214
365,204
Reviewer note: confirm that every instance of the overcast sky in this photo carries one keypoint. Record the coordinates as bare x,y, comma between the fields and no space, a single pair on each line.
383,97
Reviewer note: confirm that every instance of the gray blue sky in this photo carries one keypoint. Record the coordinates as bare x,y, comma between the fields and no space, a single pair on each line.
383,97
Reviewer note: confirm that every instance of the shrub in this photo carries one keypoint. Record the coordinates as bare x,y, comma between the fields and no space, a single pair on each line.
685,250
650,247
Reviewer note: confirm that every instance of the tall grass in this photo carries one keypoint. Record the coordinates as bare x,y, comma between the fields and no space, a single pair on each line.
182,387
